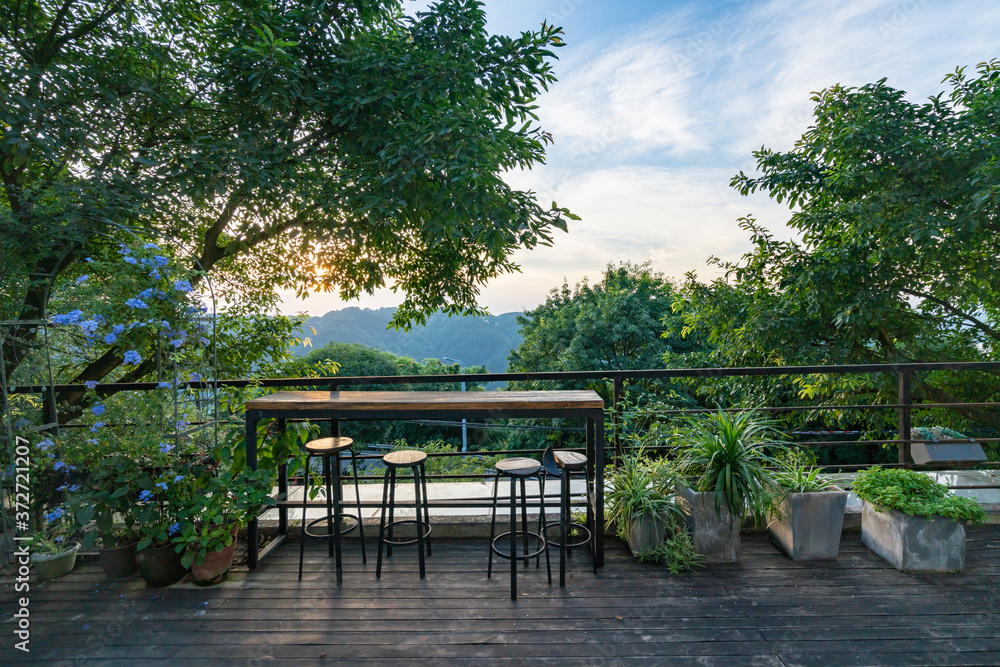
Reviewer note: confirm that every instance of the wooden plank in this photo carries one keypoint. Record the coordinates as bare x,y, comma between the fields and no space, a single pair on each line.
428,400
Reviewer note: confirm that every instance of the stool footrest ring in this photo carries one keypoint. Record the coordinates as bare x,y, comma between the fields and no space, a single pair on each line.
397,522
584,541
315,523
532,536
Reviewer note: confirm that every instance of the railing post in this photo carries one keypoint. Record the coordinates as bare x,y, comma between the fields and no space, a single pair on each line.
616,400
903,414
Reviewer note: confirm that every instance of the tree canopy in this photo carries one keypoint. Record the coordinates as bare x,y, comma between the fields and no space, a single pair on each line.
895,207
299,144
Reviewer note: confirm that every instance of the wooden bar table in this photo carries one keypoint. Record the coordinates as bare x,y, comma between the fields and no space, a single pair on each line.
388,405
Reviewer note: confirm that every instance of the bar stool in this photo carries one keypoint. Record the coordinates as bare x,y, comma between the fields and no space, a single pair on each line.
414,459
327,448
562,463
517,469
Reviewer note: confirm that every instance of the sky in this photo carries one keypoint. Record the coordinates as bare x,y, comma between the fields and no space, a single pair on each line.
660,103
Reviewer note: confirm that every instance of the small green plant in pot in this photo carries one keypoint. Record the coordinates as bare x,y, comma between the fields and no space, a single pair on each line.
221,504
723,461
914,522
53,552
809,513
640,501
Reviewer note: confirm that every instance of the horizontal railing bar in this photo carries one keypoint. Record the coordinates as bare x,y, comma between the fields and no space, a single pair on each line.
667,373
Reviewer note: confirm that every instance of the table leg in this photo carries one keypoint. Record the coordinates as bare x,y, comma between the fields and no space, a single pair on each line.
599,493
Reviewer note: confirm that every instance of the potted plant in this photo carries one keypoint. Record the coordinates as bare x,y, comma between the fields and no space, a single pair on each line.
640,502
912,521
722,463
216,511
158,521
809,515
52,552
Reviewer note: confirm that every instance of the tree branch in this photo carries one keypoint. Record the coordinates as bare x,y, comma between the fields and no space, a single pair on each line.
982,326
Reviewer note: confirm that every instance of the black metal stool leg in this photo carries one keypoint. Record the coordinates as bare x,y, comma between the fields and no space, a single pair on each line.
541,522
416,513
427,512
513,538
493,524
392,511
524,520
361,518
381,525
305,499
338,513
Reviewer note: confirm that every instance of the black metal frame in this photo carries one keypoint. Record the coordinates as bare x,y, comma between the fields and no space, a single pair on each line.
595,455
526,535
565,522
334,510
421,524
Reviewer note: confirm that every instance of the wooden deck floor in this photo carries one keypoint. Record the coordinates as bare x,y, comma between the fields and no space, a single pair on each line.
767,610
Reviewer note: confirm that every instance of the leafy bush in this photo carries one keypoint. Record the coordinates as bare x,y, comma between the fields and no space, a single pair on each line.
914,493
677,552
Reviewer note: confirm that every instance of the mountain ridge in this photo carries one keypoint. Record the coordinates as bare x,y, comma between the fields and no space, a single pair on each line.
473,340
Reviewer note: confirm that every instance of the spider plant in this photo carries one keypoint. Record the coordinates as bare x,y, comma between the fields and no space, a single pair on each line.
640,487
727,454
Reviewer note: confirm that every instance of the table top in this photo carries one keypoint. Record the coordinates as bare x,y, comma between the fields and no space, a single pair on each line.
428,400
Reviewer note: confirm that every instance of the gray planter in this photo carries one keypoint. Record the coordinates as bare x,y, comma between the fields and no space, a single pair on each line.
715,537
914,543
645,531
810,524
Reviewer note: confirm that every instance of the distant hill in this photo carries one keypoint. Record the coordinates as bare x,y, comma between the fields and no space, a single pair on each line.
473,340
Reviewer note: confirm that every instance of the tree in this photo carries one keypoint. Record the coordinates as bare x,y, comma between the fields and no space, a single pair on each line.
895,205
298,144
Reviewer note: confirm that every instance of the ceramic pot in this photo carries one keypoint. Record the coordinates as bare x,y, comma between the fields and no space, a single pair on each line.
119,562
50,566
160,566
215,566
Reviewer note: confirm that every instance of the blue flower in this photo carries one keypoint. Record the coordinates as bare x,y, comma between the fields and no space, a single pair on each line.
165,448
161,485
174,528
160,260
74,488
59,465
89,260
195,377
182,286
161,295
118,328
90,326
57,513
204,341
132,358
136,303
98,410
111,338
145,496
96,427
21,423
178,478
131,260
177,342
91,441
146,294
46,445
150,246
155,275
59,539
90,384
82,279
68,318
163,385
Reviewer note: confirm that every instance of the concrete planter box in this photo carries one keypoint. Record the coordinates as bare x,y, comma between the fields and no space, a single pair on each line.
715,537
914,543
810,524
646,531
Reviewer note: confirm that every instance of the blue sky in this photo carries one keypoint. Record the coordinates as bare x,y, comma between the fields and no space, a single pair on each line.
659,104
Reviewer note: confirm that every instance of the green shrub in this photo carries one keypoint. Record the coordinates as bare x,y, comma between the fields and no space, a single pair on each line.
914,493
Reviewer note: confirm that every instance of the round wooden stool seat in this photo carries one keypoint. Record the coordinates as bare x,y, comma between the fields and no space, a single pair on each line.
518,467
322,446
570,460
405,458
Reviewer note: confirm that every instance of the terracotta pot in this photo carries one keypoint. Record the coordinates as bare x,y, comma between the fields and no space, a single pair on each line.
50,566
215,566
119,562
160,566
